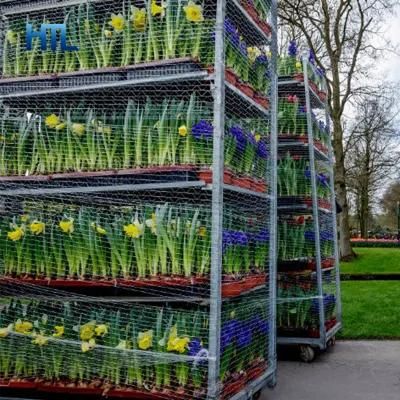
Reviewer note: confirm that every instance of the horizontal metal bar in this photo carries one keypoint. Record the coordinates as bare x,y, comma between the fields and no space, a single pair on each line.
114,299
109,188
281,300
43,6
238,189
299,340
123,83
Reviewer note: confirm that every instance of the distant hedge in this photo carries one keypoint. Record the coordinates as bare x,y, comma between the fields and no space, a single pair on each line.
375,243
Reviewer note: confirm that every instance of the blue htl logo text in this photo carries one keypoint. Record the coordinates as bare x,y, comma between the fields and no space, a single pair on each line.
42,35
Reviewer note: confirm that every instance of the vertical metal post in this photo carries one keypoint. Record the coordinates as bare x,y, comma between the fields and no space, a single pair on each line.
273,174
314,206
217,205
334,221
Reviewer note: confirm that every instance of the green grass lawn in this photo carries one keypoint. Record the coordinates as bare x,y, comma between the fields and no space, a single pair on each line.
371,310
373,260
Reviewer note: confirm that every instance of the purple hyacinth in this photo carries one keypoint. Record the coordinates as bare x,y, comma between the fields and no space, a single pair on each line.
323,180
244,336
309,235
243,48
307,173
260,325
302,110
262,236
262,150
311,57
240,238
326,235
240,137
202,130
194,347
230,28
261,59
228,333
292,51
320,72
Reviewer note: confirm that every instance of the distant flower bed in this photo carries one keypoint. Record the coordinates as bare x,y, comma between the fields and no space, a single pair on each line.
356,242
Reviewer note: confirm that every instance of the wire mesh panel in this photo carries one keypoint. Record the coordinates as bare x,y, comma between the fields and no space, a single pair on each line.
138,198
308,284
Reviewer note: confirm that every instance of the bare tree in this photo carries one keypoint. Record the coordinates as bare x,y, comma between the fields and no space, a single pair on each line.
370,152
390,205
340,33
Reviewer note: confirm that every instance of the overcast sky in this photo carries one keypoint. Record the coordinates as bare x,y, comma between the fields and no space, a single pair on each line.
390,66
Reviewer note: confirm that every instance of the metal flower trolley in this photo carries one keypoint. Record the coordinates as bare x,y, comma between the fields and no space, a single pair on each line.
138,199
308,305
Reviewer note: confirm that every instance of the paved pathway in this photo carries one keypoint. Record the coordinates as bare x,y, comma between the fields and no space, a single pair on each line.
351,370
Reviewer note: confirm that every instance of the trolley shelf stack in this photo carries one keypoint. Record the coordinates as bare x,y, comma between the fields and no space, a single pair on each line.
308,304
138,200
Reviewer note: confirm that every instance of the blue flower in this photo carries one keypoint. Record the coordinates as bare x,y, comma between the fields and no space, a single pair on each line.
230,28
311,57
261,59
292,51
326,235
202,130
228,333
240,137
245,335
262,236
320,72
260,325
195,347
323,180
240,238
243,48
309,235
307,173
262,150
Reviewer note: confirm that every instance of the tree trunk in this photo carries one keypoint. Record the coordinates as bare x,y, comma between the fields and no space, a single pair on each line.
345,250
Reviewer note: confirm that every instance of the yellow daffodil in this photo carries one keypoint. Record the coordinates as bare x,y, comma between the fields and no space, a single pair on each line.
108,34
87,331
202,231
152,223
123,345
24,218
104,129
145,340
179,345
67,225
117,22
61,126
16,234
253,52
134,230
37,227
139,19
183,131
78,129
101,330
176,343
52,121
257,137
24,327
98,229
12,37
4,332
59,331
194,12
88,345
40,340
157,9
299,65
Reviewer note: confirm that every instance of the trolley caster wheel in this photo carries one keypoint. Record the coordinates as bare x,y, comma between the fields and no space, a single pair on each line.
271,383
331,341
256,395
307,353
